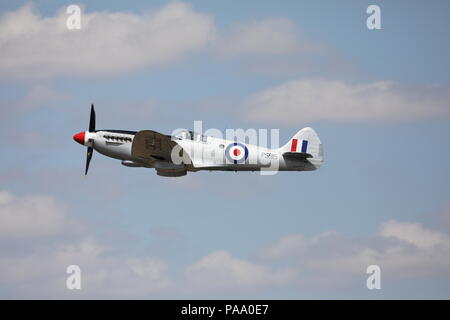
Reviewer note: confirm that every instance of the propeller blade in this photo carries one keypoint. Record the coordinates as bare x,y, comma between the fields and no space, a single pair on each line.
92,120
90,151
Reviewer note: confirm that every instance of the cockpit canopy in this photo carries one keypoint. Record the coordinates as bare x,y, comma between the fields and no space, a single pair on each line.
191,135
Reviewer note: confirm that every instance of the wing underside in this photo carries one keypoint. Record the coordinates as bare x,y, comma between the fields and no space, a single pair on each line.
150,146
155,149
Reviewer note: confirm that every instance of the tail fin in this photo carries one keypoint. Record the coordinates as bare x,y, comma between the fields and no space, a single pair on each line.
305,144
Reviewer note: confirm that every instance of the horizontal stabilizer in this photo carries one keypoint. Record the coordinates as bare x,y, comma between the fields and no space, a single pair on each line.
297,155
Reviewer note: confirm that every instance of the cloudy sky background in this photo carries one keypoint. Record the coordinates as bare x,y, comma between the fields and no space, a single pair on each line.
379,100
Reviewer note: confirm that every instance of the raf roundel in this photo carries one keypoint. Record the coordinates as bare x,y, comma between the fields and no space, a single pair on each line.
236,152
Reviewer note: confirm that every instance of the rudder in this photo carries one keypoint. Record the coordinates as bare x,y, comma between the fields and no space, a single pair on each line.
307,142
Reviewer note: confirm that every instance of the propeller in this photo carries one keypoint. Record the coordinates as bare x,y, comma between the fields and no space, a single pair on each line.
90,150
92,119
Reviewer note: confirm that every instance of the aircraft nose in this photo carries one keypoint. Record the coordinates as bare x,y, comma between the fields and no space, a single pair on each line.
79,137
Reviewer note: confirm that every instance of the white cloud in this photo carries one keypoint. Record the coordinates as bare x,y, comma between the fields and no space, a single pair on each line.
219,270
285,247
41,273
314,100
328,260
36,47
277,47
272,36
31,216
401,249
32,46
36,269
35,253
415,234
149,267
39,241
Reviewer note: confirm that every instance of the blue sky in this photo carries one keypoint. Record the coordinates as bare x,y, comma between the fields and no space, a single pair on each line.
379,100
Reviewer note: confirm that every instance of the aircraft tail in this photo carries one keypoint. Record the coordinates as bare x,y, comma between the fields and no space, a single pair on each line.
304,145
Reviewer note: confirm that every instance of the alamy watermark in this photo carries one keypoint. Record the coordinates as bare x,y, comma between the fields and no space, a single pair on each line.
73,281
374,280
373,22
73,22
257,147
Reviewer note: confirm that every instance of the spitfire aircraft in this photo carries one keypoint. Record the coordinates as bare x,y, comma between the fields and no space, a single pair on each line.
174,156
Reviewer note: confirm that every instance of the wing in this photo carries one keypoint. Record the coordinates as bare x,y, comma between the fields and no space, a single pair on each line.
150,146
